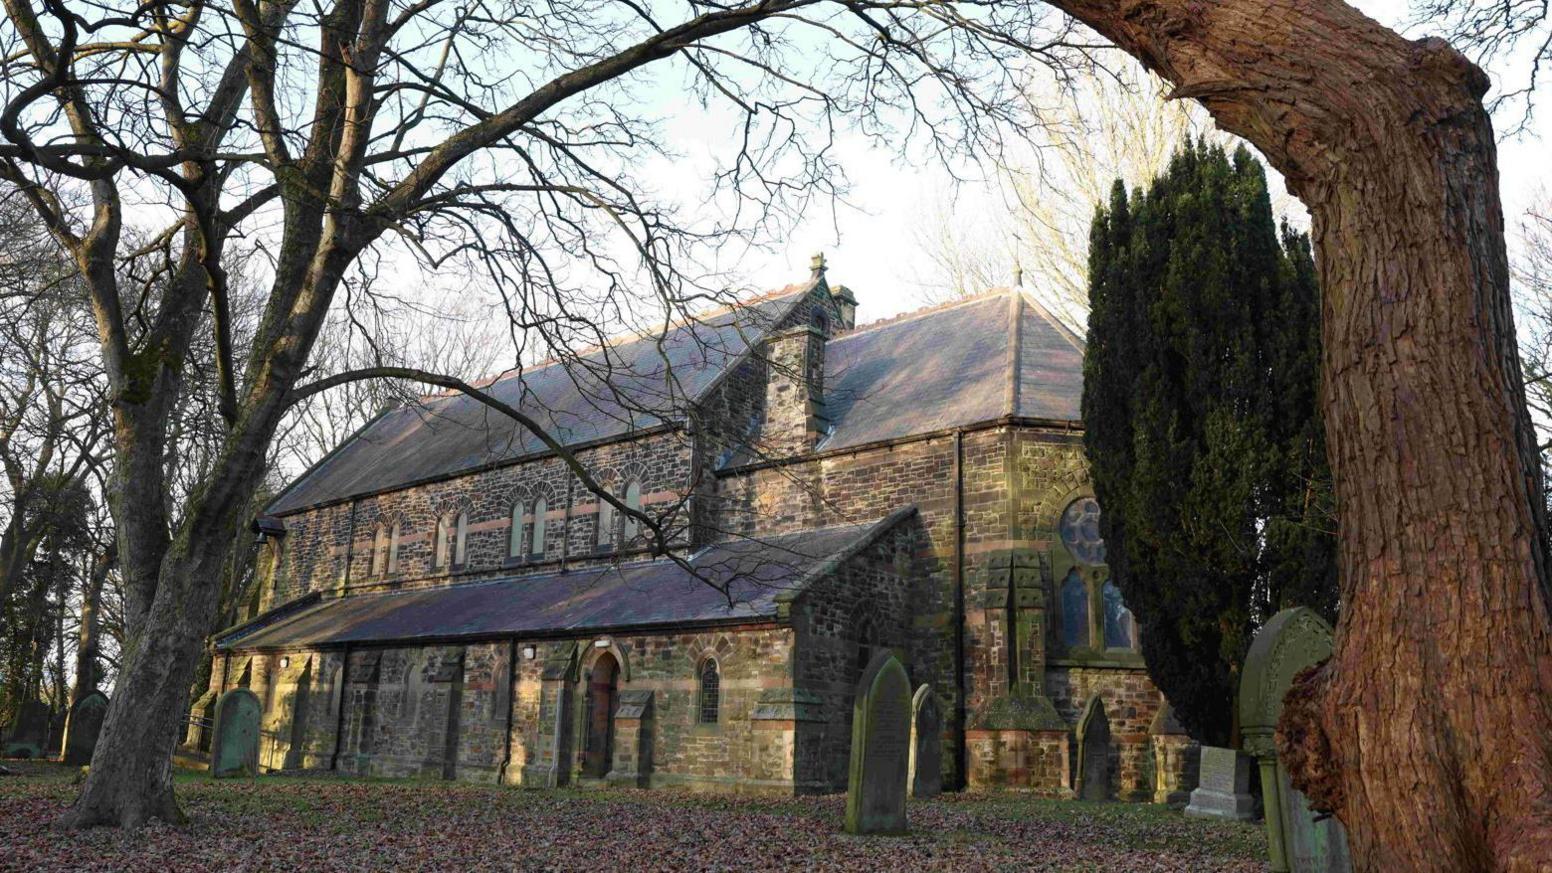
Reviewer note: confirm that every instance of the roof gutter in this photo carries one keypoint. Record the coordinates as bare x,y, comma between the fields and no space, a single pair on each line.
750,622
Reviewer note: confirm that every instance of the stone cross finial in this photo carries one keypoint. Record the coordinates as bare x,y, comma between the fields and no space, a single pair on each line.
1018,275
817,262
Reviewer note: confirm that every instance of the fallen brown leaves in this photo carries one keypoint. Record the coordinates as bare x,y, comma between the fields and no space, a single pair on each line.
333,824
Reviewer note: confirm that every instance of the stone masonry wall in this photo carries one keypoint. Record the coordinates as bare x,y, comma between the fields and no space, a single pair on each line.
320,543
1131,701
1016,482
840,623
872,483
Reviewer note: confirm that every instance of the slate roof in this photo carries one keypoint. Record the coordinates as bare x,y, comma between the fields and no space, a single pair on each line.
758,576
951,366
444,435
922,372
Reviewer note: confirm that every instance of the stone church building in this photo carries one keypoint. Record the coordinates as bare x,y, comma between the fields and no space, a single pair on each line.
446,596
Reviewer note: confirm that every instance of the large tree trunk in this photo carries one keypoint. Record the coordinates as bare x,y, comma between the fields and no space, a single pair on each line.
130,781
174,590
1430,731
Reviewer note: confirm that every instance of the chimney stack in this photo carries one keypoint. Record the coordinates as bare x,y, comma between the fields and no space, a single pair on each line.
794,391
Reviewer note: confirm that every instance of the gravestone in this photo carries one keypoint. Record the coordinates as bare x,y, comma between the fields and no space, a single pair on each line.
1223,787
30,731
880,749
82,728
235,749
926,779
1174,759
1297,839
1094,753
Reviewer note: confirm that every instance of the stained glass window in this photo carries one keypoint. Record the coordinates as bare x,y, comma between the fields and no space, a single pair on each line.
711,692
1075,611
1079,530
605,522
632,502
1119,633
393,548
439,546
461,540
537,541
515,532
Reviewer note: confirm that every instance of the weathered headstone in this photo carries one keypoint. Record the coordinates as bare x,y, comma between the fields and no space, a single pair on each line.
1223,787
235,748
926,779
82,728
1296,841
880,749
1174,759
633,739
1094,753
30,731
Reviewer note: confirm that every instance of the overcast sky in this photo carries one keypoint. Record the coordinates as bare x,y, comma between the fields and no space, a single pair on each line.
871,247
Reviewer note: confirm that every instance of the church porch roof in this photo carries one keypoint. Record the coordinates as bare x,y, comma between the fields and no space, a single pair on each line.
758,575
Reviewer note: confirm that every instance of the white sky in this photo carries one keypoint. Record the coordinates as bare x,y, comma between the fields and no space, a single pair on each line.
872,248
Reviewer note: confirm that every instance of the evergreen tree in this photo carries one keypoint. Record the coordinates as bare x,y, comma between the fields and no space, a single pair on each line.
1203,429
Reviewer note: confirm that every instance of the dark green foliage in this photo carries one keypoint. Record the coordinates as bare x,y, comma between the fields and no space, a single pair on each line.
1202,422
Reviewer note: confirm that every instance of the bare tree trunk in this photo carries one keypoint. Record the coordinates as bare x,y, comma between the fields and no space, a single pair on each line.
130,781
88,672
1429,732
174,589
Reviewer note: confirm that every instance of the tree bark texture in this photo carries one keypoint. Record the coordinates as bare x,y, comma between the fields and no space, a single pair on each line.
1429,732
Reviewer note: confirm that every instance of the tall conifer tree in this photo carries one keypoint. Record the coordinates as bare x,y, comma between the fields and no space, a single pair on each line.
1203,429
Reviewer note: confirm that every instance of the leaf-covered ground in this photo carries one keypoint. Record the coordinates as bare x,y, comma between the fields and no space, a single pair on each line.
282,823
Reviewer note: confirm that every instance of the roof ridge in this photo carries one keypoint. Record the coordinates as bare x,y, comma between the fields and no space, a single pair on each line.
1015,350
629,336
930,309
1045,312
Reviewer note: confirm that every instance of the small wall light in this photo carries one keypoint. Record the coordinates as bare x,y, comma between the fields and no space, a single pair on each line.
528,653
285,662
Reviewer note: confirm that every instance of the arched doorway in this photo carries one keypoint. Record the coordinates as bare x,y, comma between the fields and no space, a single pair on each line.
598,747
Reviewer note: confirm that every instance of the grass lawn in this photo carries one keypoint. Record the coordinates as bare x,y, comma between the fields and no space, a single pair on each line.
287,823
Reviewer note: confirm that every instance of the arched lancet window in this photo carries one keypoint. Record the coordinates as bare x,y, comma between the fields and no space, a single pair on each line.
461,540
379,551
515,532
541,507
393,549
710,692
1120,630
605,522
633,503
1075,611
444,531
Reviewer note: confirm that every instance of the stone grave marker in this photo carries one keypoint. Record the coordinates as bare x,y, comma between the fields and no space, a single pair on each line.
880,749
1223,787
30,731
235,748
82,728
1296,841
926,770
1094,753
